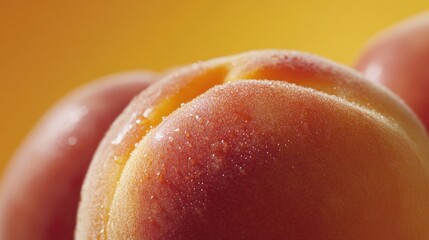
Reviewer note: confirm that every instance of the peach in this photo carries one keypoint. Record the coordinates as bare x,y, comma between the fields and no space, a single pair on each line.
398,58
41,187
262,145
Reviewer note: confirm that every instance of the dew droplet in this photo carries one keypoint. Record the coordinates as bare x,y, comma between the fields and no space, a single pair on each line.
122,134
159,135
118,160
160,176
192,161
216,161
147,112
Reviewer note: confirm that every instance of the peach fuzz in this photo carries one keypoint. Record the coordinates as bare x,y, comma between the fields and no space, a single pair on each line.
261,145
41,186
399,58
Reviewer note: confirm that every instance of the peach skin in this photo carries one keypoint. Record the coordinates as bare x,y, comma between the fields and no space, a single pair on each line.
261,145
41,187
399,59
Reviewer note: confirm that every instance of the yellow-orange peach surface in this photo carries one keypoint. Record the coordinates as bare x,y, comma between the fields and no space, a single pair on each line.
261,145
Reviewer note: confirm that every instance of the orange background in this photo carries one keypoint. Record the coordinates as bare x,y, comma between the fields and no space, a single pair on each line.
47,48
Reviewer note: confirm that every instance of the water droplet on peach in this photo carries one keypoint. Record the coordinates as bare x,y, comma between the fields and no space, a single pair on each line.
147,112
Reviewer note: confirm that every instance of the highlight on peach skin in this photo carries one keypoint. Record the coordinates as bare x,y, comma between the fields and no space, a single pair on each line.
399,59
261,145
41,187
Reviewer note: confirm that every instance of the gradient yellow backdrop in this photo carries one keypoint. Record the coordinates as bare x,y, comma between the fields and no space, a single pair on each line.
47,48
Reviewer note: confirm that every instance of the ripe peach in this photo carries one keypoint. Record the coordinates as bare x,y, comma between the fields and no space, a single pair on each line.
261,145
399,58
41,187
